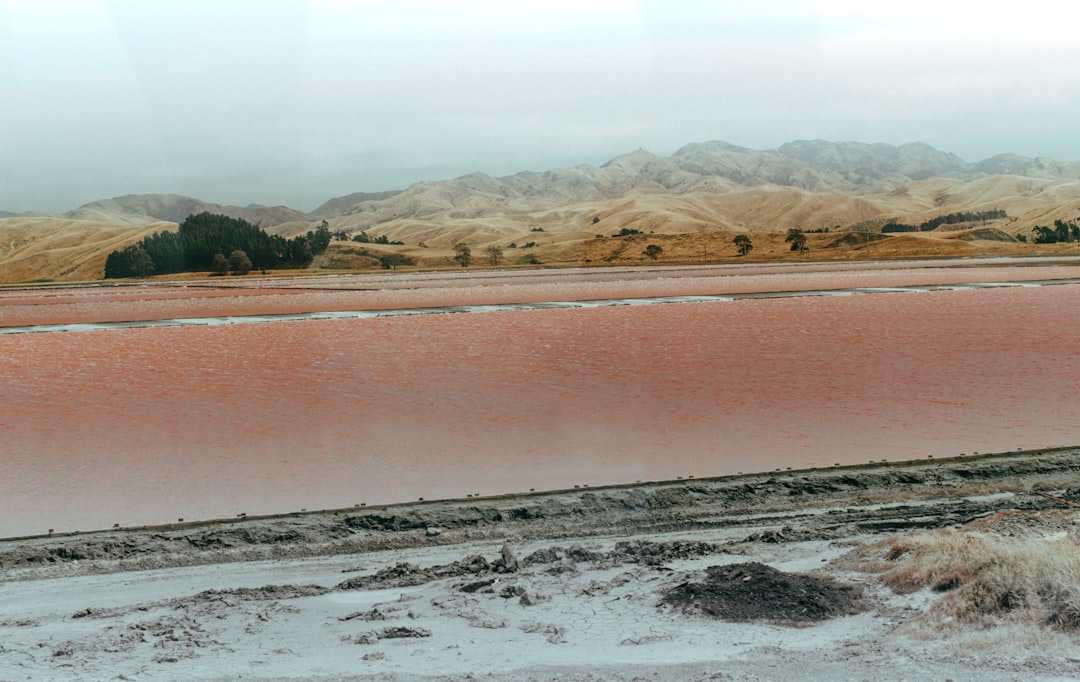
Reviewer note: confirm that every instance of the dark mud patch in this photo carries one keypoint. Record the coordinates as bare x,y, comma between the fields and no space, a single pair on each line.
754,592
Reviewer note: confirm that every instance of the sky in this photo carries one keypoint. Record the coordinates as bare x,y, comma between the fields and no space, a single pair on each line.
294,102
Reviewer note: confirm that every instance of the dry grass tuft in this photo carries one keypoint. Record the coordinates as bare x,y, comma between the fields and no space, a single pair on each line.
990,580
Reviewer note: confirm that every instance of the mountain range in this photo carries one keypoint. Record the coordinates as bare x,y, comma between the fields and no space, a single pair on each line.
813,166
701,188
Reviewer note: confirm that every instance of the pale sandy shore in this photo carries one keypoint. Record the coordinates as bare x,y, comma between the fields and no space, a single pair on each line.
587,584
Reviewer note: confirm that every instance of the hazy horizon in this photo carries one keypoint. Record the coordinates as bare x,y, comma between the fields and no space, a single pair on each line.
307,100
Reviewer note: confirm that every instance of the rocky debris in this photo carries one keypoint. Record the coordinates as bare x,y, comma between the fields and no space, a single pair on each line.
574,553
511,591
265,593
407,575
373,614
507,561
648,639
554,560
555,634
487,623
177,635
400,632
754,592
644,552
21,623
479,585
390,632
650,553
772,536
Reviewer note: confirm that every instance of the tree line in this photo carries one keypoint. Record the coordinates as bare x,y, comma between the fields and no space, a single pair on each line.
205,241
1061,232
947,219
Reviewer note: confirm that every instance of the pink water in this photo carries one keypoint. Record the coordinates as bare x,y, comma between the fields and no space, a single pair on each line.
242,296
148,425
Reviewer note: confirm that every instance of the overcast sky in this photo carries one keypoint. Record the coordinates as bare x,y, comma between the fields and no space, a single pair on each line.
297,101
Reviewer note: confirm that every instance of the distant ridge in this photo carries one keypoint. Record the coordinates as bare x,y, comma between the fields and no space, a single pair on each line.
144,209
703,185
338,206
698,197
813,182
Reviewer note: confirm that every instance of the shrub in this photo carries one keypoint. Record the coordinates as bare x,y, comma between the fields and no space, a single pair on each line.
239,263
989,579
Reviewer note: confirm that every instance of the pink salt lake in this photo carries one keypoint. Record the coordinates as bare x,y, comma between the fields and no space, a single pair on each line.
144,425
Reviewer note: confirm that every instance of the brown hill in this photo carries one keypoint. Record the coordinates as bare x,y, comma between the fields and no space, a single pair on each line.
58,249
146,209
809,184
568,215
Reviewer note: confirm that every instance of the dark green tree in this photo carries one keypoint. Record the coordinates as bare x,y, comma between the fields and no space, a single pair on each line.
239,263
653,251
463,254
132,261
743,243
219,264
797,239
166,250
1045,235
319,239
201,236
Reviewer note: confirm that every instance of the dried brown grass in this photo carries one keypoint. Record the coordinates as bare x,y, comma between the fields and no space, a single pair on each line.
989,580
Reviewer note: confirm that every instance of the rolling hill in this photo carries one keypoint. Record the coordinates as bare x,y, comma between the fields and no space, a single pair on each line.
708,187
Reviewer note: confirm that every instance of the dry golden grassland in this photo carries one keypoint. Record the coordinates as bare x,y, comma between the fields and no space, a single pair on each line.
49,249
988,579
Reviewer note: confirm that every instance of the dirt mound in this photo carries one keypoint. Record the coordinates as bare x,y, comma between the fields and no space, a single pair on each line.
753,592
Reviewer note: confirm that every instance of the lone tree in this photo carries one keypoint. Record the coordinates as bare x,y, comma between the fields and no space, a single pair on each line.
743,243
797,239
494,254
463,254
653,251
219,265
239,263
